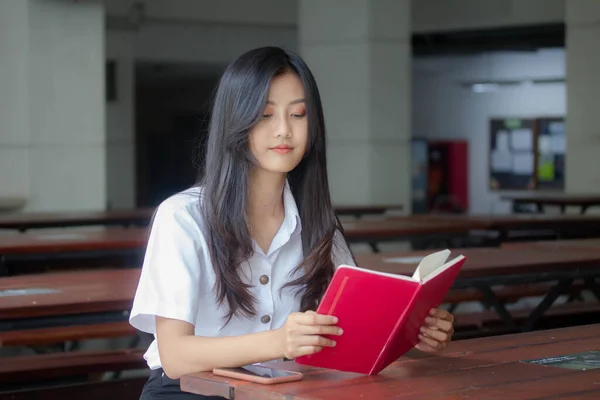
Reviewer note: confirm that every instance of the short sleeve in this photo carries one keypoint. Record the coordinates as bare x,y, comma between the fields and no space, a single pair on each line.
171,273
340,252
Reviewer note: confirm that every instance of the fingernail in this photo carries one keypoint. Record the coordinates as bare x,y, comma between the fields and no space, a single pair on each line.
334,343
432,311
335,320
429,320
421,336
340,331
422,329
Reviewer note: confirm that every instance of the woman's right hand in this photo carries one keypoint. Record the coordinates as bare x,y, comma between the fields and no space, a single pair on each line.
302,333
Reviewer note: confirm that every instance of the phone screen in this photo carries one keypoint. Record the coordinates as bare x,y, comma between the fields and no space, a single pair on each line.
264,372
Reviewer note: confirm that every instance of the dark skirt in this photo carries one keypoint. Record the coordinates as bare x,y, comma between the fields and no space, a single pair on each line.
161,387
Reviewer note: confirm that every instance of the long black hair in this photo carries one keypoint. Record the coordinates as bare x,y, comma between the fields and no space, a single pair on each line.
238,104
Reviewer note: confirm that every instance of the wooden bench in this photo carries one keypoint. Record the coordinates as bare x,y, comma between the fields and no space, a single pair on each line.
43,336
115,389
71,364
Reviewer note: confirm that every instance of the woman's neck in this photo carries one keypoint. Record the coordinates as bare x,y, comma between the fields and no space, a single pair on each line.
265,195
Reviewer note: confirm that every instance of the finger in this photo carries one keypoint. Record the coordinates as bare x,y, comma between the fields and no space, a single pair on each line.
306,350
316,319
426,348
438,335
319,330
434,344
442,314
437,323
314,340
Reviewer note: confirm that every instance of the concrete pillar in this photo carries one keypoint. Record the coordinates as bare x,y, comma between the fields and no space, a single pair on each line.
52,122
583,94
360,53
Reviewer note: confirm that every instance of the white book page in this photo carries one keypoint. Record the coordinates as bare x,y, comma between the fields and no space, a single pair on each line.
396,276
430,263
404,260
443,268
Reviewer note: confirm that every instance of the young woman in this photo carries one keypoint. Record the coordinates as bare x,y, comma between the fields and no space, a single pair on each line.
236,265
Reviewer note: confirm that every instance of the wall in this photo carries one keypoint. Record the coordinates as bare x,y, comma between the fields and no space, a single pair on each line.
53,137
194,34
443,15
205,42
14,97
426,15
204,32
213,33
444,109
120,137
260,12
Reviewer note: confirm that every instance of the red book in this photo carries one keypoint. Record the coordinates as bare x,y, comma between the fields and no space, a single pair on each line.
381,313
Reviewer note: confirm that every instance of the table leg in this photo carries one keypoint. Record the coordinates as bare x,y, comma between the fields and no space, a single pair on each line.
540,208
374,247
546,303
492,300
3,267
584,209
591,284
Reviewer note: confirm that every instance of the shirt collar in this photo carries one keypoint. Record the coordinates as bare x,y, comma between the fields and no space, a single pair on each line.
291,220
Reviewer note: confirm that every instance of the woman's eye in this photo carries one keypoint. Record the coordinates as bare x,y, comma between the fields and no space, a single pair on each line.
299,115
267,116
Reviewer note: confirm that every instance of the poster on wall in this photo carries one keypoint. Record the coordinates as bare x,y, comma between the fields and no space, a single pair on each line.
551,153
512,154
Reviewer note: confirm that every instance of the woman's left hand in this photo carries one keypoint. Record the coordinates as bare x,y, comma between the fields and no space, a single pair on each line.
436,333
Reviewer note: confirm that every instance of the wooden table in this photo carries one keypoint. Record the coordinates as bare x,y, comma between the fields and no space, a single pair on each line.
66,298
374,231
513,226
73,244
131,241
488,368
36,220
592,244
141,216
488,267
563,200
360,210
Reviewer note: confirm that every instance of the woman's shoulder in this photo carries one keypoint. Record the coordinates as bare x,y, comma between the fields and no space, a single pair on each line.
181,208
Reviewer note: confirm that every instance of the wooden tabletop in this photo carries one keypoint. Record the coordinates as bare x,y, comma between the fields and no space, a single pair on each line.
592,244
506,221
555,198
487,368
141,216
487,262
65,293
34,220
73,240
104,289
363,209
408,226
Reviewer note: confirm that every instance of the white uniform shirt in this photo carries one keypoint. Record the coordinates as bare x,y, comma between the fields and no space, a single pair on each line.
177,279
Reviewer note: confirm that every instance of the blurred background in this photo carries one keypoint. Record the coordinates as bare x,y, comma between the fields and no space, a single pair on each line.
104,101
445,119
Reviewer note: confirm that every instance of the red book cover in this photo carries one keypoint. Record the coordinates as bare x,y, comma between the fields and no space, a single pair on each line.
381,313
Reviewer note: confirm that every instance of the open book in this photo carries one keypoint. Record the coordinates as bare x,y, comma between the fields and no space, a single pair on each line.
381,313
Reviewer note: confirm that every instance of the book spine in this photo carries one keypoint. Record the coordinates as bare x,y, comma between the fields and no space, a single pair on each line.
394,332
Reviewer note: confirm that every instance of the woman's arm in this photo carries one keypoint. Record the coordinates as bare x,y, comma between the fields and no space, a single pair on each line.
183,353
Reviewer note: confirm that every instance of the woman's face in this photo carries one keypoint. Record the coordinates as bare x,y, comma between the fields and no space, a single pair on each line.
278,142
